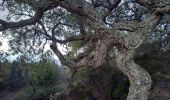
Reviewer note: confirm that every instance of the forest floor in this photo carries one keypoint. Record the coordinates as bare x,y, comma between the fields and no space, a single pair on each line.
160,91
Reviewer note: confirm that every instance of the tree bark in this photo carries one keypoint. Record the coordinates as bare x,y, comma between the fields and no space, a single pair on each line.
140,80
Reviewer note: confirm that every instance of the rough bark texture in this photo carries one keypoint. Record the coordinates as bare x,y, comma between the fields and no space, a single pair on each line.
104,36
140,80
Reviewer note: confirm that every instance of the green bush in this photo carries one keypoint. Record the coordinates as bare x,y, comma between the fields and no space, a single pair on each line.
5,68
43,78
119,93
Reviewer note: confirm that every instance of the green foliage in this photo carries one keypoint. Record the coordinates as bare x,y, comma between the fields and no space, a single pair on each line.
119,93
42,74
43,78
4,70
161,77
82,75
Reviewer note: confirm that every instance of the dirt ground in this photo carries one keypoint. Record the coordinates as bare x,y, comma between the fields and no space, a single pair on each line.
160,91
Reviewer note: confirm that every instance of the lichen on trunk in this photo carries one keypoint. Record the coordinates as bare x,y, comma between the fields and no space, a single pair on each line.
140,80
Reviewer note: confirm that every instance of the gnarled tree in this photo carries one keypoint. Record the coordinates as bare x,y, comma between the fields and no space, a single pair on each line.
103,25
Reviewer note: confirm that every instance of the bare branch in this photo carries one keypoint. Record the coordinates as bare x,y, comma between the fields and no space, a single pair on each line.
126,26
61,57
6,25
67,39
53,29
164,10
157,6
85,53
67,62
89,14
56,25
81,25
76,38
110,8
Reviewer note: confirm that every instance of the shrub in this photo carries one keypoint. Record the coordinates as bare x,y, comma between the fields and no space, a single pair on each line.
43,78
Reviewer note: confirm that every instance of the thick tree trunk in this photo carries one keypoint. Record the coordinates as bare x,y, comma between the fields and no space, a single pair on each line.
140,80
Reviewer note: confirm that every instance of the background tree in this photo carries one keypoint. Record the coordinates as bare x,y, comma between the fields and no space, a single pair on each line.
99,26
